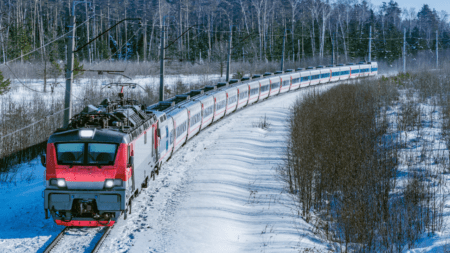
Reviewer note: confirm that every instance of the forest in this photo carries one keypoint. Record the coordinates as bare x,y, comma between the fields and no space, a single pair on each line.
35,30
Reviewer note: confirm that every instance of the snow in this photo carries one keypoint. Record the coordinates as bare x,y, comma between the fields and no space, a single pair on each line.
219,193
19,92
427,150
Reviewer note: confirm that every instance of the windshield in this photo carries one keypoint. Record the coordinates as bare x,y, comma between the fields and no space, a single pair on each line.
101,153
86,153
69,153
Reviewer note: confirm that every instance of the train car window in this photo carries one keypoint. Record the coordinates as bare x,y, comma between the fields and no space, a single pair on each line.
221,104
145,137
209,110
181,129
70,153
314,77
232,99
306,78
172,135
101,153
275,85
242,95
264,88
167,138
295,80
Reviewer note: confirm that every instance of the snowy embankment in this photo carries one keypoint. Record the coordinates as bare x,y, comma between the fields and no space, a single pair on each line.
425,149
219,193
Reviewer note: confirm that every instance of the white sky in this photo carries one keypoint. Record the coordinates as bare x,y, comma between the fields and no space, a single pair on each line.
439,5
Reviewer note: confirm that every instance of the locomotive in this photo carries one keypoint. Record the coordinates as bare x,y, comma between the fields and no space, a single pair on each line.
108,153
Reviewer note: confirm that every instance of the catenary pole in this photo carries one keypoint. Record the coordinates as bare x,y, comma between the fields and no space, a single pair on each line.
370,44
69,72
161,68
69,67
282,52
229,55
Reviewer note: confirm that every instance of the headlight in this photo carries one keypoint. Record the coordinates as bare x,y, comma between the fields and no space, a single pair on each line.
110,183
86,133
60,182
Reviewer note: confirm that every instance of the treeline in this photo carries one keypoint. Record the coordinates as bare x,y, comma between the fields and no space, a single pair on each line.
314,28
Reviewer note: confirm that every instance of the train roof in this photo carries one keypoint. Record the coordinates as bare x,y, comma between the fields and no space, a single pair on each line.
93,135
110,121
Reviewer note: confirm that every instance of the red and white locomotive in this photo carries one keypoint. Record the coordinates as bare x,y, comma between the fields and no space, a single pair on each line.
108,153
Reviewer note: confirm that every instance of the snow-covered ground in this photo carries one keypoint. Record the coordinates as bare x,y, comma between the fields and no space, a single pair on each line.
219,193
20,93
425,150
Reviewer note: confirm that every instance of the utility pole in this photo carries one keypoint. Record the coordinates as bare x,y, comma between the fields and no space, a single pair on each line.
69,73
161,70
404,50
332,50
282,51
437,51
229,55
370,44
69,67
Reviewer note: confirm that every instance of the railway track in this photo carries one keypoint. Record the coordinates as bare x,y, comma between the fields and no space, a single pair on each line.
53,245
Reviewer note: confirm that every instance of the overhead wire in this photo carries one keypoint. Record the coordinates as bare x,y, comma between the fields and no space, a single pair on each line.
39,48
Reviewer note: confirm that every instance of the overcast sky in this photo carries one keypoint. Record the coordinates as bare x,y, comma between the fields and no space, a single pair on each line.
439,5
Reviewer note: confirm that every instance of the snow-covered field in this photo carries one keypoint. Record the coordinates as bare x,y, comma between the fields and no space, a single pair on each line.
219,193
20,93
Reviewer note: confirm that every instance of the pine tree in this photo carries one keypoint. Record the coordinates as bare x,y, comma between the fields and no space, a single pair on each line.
4,84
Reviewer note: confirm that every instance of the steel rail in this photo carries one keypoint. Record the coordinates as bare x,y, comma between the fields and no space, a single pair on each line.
56,240
102,239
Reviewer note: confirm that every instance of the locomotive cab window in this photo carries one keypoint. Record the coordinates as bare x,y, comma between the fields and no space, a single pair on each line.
86,154
101,153
70,153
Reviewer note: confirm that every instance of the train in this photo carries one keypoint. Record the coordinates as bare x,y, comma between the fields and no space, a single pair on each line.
108,153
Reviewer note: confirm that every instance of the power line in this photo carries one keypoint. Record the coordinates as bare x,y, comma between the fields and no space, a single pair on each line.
60,37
